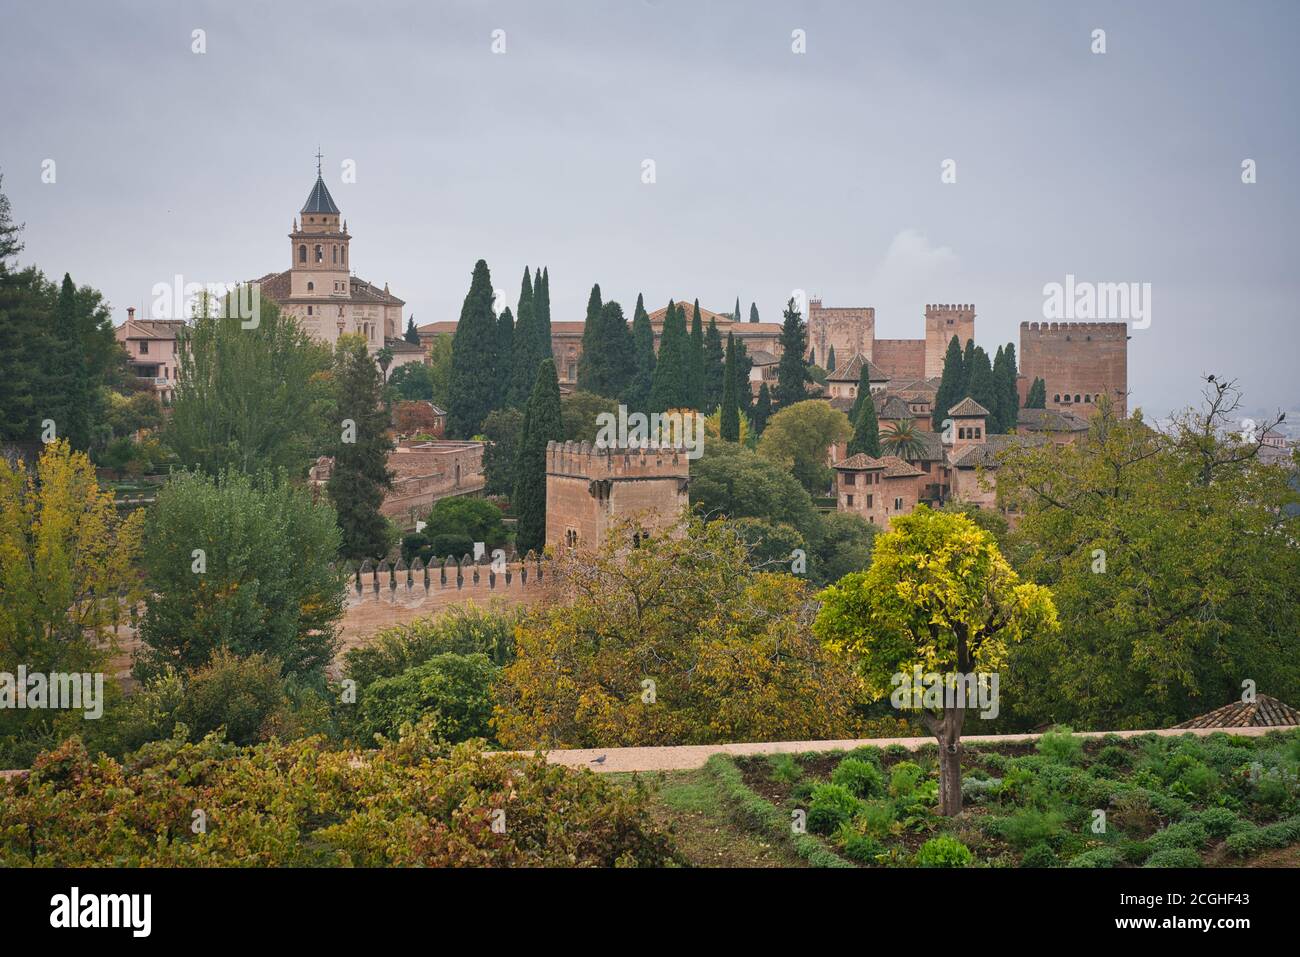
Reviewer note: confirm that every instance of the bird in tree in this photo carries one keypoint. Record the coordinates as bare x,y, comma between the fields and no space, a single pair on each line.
939,596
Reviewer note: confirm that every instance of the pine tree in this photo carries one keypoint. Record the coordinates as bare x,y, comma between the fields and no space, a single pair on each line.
866,430
670,387
762,409
753,312
950,383
542,311
473,352
360,477
67,387
524,356
730,417
715,371
618,348
1037,397
643,339
505,358
593,363
542,423
791,372
1011,404
830,360
697,359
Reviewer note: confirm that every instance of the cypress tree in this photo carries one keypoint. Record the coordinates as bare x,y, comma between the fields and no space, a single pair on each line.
1011,404
950,383
744,365
619,350
524,356
542,311
360,477
412,335
753,312
866,430
967,367
864,392
997,421
730,417
736,314
830,360
670,387
473,350
67,387
542,423
593,363
762,409
1037,397
505,357
697,359
982,388
643,340
791,372
715,368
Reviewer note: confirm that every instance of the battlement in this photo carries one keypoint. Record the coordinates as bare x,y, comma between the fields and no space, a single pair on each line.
950,309
1098,330
415,584
585,460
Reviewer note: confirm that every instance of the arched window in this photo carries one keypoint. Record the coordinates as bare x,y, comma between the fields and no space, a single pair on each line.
1057,397
335,254
1076,397
320,253
311,286
302,253
1087,397
345,254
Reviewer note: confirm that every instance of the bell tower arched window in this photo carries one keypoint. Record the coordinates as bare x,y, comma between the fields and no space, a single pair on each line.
302,253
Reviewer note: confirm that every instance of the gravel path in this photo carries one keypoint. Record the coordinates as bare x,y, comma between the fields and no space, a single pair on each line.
689,757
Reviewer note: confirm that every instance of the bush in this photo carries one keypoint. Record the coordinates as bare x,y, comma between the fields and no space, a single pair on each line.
904,778
978,789
1183,834
859,777
457,546
784,768
1174,857
1028,827
1115,757
1219,821
1253,839
239,694
1098,857
455,690
944,851
1060,746
461,630
472,519
877,817
862,848
832,805
1040,855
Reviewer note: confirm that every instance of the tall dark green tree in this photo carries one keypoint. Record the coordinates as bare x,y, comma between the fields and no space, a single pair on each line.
762,409
967,368
524,355
619,348
1010,388
637,396
68,394
473,354
670,387
730,417
744,366
792,372
543,310
543,422
505,356
866,429
412,335
715,368
997,421
697,383
593,372
24,328
1037,397
360,476
736,315
830,360
952,383
863,392
753,312
982,387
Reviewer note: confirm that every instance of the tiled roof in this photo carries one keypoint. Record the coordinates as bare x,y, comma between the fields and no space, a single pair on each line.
968,408
400,345
894,408
1050,420
986,455
762,357
154,328
919,388
359,289
1263,712
851,371
274,286
319,199
688,306
862,462
897,468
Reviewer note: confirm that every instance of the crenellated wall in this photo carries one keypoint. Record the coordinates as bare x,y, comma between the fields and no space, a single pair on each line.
1087,359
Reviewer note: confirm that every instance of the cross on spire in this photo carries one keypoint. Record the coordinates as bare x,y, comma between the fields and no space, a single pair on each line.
318,159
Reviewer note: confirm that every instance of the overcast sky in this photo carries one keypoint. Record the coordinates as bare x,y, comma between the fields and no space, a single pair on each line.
774,170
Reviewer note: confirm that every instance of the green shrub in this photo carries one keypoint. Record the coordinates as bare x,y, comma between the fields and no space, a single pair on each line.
859,777
997,763
944,851
454,545
784,768
239,694
1182,834
461,630
832,805
1250,840
455,690
1174,857
473,519
1115,757
1219,821
1098,857
896,751
862,848
869,753
904,778
975,789
1028,827
1060,746
1040,855
877,817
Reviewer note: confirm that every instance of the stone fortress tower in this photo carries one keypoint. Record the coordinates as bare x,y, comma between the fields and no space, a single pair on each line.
588,488
941,324
1078,361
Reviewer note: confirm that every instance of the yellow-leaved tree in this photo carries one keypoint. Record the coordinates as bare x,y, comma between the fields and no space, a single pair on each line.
940,597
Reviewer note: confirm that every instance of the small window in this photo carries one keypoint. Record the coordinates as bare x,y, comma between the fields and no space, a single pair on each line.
311,286
302,253
848,500
978,430
1057,397
1076,397
870,498
898,505
334,254
850,478
144,347
320,253
1087,397
309,310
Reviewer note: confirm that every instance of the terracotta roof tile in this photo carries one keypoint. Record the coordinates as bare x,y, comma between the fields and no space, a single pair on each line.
1263,712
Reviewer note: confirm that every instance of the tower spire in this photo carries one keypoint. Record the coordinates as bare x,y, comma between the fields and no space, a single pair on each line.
318,159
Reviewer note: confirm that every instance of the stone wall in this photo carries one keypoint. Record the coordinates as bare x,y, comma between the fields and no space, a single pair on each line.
901,359
1088,359
850,329
942,322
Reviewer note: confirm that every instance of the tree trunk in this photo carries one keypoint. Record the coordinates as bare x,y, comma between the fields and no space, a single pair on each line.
947,732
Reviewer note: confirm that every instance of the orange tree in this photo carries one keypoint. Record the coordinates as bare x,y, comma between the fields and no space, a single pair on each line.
938,595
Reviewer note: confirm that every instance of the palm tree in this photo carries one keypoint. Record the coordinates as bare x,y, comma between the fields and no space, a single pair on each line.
903,438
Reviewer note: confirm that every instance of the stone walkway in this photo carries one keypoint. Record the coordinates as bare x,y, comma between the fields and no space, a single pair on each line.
690,757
